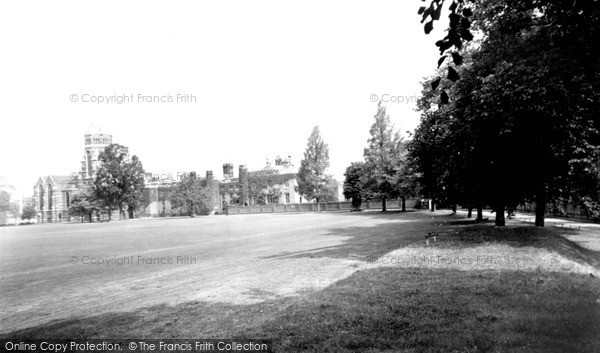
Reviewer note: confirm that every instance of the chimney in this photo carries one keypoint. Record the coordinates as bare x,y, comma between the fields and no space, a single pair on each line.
228,171
243,185
243,170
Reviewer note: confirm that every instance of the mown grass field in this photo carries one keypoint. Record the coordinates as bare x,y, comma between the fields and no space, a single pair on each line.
354,282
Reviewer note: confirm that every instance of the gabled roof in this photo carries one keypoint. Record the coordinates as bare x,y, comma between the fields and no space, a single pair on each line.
60,179
64,181
41,180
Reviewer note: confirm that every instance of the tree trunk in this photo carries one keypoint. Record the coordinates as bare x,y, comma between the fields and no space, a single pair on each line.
403,204
384,204
500,221
479,212
540,206
470,211
432,205
317,205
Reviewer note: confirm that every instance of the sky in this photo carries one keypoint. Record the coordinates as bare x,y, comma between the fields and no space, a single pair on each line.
257,75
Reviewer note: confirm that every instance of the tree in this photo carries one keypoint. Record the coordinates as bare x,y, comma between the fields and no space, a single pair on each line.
537,87
407,179
353,184
194,193
574,18
4,201
382,159
459,31
524,105
28,213
6,207
119,181
312,180
84,205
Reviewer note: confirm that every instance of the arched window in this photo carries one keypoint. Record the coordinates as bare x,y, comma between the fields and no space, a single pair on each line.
49,197
41,197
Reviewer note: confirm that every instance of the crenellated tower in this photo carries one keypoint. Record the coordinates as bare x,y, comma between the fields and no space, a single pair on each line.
95,143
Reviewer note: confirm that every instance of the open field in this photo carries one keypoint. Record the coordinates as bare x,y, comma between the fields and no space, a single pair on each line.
241,259
311,282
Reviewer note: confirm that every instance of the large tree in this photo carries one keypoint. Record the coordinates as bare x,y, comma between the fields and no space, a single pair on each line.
562,17
353,184
28,213
383,159
4,201
6,206
407,179
119,181
523,107
313,181
84,205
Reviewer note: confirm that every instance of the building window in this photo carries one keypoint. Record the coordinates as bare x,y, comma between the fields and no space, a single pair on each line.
287,197
41,197
287,183
50,197
273,199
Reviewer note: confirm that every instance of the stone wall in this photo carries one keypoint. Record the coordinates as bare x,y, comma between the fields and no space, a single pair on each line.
392,205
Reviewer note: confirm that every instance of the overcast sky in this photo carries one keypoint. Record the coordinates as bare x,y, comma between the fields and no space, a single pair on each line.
263,74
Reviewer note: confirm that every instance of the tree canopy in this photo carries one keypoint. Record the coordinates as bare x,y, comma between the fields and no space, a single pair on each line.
28,213
84,205
119,181
353,184
383,159
521,123
313,181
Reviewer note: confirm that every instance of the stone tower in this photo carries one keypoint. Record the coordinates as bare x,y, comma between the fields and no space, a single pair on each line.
95,142
228,171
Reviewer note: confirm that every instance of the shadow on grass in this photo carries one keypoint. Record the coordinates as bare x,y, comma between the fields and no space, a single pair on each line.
551,239
393,230
382,309
401,230
460,232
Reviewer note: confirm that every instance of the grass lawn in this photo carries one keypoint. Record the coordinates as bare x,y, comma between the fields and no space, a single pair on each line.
536,292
